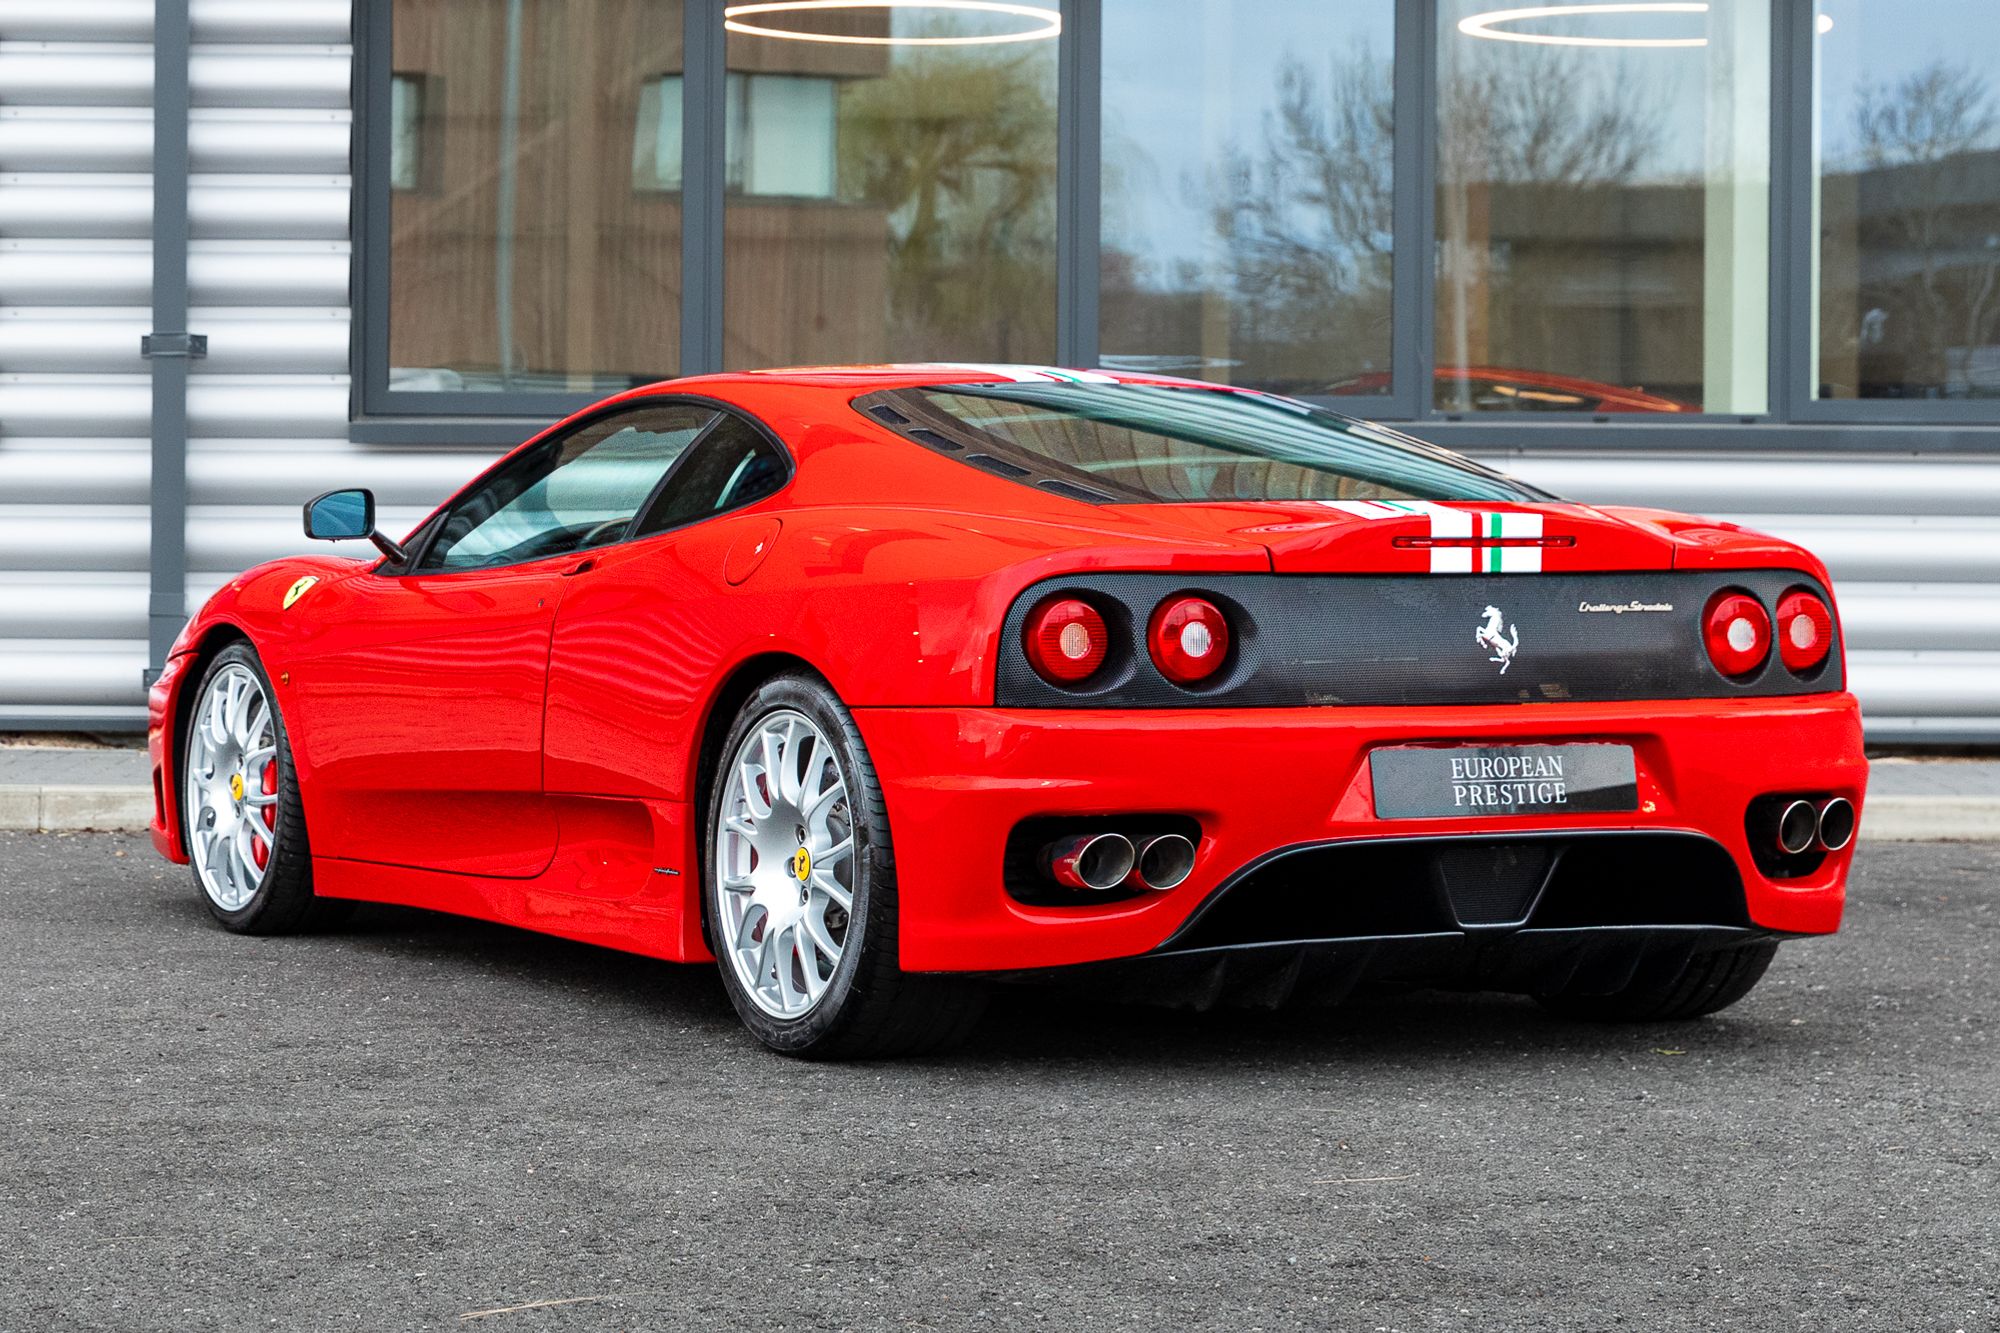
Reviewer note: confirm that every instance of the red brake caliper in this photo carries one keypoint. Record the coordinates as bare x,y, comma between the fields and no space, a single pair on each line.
260,848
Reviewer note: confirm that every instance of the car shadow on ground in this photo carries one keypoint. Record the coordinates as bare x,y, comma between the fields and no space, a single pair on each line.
1031,1024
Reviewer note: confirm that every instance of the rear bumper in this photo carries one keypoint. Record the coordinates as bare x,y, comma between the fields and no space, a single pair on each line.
1264,781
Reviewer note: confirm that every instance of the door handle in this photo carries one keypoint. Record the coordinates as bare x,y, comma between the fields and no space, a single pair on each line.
581,567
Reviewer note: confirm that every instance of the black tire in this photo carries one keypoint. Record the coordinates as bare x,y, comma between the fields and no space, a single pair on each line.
284,901
871,1008
1705,984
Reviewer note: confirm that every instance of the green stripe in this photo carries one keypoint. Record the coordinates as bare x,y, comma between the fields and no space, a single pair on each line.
1493,552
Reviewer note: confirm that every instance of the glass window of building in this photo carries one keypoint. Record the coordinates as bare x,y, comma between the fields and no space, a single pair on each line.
891,186
656,139
528,261
1907,165
1247,191
406,145
1602,209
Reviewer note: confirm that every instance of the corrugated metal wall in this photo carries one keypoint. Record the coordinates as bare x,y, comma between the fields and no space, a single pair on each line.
1914,542
269,268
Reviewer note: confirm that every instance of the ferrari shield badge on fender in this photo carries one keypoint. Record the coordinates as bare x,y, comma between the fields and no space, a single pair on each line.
298,590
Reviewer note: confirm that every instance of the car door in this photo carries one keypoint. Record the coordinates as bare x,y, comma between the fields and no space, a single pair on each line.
424,711
637,640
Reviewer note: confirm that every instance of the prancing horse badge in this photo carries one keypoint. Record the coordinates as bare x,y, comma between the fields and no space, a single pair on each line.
1503,646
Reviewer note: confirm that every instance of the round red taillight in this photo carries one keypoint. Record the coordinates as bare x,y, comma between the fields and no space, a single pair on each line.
1805,630
1189,638
1066,640
1737,630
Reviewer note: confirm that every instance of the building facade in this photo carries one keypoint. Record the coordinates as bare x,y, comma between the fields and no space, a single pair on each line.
1740,257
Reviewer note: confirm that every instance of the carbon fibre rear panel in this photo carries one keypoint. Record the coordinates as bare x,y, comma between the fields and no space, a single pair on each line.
1311,639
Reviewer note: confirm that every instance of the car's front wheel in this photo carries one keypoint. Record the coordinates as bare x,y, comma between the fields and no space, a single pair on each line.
799,887
241,820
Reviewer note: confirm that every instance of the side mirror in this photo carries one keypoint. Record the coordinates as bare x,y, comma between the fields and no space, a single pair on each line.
340,516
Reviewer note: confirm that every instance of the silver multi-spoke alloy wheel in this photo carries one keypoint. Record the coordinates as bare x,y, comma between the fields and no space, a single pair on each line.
232,787
785,864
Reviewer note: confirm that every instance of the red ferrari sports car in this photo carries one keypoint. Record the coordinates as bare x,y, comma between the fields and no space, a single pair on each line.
875,684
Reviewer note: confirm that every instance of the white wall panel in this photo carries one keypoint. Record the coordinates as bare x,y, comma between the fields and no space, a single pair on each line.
39,139
55,405
47,205
239,342
81,679
75,201
268,272
107,606
82,471
45,272
76,74
262,208
76,20
266,21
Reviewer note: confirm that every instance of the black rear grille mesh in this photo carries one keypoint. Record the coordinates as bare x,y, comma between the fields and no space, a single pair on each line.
1419,886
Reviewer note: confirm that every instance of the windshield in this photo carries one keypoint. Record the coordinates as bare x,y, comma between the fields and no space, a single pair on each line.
1110,443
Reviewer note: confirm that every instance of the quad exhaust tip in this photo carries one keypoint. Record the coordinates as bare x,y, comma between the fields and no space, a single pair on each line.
1164,861
1798,826
1817,825
1836,823
1095,861
1100,862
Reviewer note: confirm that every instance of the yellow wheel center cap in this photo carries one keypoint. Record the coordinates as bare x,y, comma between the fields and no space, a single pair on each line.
802,865
236,785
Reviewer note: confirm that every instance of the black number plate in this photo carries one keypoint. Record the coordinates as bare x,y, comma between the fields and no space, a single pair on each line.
1466,781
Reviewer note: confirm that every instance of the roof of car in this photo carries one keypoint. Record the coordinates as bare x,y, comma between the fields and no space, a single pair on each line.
899,375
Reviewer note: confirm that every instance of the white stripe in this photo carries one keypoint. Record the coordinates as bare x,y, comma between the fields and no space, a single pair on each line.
1029,374
1451,559
1373,509
1520,559
1454,523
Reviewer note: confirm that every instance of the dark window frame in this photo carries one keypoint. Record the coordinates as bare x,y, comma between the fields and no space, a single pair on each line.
414,565
1793,420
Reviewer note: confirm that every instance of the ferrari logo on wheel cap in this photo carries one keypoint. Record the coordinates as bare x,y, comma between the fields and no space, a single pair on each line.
236,785
802,865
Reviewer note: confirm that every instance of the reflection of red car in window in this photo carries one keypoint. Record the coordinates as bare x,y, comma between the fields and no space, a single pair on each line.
867,682
1496,389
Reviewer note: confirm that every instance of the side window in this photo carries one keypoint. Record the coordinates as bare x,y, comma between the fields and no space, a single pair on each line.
734,465
567,494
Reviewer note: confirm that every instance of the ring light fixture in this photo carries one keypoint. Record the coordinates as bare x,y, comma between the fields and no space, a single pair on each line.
1049,21
1488,25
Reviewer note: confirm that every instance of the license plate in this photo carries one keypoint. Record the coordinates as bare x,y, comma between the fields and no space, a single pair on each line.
1467,781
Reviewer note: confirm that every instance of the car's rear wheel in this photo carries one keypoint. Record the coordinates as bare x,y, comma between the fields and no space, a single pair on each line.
240,815
1706,983
799,887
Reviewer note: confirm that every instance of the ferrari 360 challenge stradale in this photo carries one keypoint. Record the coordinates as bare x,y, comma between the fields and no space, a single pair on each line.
876,683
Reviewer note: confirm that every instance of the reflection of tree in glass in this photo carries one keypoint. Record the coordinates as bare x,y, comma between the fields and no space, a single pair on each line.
1559,139
1538,116
1305,222
959,146
1927,141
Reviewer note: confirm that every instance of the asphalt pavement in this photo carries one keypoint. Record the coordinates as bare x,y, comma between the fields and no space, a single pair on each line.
424,1122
